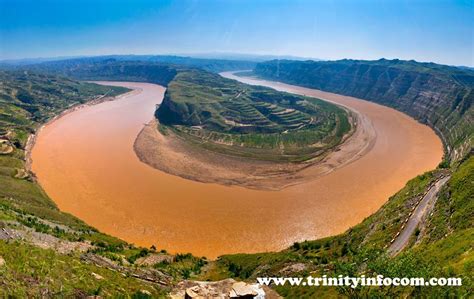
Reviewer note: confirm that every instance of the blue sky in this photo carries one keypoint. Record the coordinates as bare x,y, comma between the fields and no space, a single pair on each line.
439,31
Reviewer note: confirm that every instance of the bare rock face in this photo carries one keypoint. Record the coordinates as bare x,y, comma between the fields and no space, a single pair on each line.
153,259
292,268
244,290
227,288
146,274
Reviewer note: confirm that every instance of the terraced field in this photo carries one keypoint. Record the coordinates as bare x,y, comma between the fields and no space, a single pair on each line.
255,122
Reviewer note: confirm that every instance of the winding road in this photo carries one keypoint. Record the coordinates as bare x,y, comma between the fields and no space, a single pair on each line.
425,207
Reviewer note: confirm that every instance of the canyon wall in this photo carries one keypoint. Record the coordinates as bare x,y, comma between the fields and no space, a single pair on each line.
440,96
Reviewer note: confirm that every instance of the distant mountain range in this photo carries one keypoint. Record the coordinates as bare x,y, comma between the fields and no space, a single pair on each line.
180,57
62,65
248,57
159,57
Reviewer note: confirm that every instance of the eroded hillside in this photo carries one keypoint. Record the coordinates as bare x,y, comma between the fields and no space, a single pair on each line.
438,95
255,122
441,246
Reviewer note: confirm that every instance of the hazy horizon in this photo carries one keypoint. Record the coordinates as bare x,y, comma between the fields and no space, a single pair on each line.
436,31
209,55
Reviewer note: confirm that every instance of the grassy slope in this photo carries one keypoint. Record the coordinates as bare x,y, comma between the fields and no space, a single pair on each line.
256,122
28,98
31,271
443,249
26,101
443,245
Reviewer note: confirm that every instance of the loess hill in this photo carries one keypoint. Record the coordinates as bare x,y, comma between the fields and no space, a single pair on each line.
438,95
220,114
441,247
234,118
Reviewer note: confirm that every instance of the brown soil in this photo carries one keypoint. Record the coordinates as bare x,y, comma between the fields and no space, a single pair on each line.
172,154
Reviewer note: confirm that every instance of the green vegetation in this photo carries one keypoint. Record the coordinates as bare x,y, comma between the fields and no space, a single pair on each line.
443,248
454,211
28,216
183,266
442,245
31,271
69,66
109,70
29,98
221,114
256,122
208,64
438,95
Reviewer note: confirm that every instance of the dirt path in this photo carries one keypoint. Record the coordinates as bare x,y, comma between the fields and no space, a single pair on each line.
423,209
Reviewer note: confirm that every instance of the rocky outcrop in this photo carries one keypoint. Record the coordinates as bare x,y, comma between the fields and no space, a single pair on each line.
227,288
145,274
438,95
42,240
153,259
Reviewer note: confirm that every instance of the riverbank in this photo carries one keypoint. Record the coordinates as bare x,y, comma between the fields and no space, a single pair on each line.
31,141
174,155
109,188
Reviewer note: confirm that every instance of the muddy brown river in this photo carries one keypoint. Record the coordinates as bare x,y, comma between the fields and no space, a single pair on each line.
86,163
